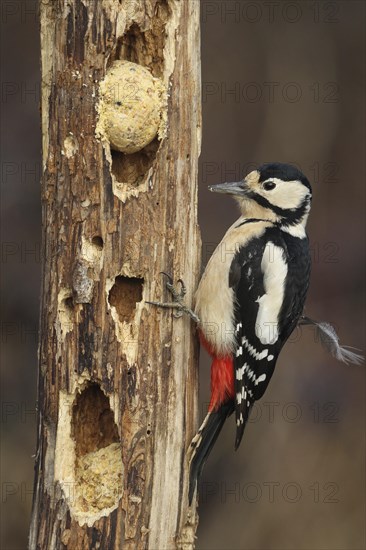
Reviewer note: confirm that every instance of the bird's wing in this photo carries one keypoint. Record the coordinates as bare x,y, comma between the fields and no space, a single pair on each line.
266,314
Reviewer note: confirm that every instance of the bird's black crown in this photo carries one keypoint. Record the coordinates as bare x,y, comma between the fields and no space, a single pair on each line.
285,172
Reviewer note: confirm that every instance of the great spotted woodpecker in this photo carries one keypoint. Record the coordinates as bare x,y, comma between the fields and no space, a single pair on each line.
251,297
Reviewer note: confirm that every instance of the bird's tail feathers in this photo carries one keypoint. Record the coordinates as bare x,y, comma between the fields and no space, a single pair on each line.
203,442
240,426
329,339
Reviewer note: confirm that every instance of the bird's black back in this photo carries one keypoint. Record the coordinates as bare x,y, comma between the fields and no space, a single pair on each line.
252,371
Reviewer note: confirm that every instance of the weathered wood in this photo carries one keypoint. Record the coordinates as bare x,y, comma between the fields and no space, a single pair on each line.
118,378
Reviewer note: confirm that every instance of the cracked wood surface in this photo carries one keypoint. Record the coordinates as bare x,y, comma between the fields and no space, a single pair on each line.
139,366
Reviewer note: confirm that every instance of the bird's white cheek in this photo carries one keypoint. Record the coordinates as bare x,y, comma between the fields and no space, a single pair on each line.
286,195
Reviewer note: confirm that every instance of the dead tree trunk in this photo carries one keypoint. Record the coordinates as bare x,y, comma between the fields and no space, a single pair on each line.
118,378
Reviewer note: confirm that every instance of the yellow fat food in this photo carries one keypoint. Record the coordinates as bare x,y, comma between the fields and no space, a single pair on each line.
130,111
99,479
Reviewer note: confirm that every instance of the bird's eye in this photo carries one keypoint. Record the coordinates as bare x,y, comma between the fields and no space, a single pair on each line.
269,185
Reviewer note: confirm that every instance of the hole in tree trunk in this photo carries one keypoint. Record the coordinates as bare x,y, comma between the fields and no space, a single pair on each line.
65,311
124,295
131,169
93,425
69,303
97,241
98,463
146,47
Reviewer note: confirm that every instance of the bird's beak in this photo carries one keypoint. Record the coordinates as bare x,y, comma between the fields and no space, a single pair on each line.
235,188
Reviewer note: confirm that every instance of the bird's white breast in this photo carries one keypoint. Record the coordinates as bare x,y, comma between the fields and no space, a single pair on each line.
214,298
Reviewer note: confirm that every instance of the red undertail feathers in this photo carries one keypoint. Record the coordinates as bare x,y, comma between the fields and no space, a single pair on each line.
222,377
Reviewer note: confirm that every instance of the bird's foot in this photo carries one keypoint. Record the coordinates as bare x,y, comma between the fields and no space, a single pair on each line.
178,295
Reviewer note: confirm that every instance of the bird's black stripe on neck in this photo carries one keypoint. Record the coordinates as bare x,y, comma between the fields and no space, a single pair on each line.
290,216
252,220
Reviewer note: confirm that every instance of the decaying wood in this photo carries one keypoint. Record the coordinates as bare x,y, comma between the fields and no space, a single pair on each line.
118,378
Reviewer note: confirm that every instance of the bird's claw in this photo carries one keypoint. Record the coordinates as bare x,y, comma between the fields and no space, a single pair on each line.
183,288
178,296
169,277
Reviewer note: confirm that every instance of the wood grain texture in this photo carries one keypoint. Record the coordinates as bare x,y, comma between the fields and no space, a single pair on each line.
114,372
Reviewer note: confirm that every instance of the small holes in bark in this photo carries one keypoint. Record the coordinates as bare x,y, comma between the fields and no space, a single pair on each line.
69,303
124,295
98,242
65,311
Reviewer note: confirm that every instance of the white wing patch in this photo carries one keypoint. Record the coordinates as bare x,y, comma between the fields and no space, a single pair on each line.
274,269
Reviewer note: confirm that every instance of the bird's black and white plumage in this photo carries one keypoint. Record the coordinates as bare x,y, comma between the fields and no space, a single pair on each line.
270,278
252,295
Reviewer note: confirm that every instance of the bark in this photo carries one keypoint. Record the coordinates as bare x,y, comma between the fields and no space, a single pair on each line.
118,378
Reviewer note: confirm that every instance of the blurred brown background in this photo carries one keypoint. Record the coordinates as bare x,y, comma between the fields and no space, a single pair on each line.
282,81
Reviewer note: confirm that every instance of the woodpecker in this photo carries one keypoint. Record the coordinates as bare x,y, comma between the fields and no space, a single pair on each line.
251,297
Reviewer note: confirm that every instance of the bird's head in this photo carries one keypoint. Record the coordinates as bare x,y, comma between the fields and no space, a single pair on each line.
278,192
